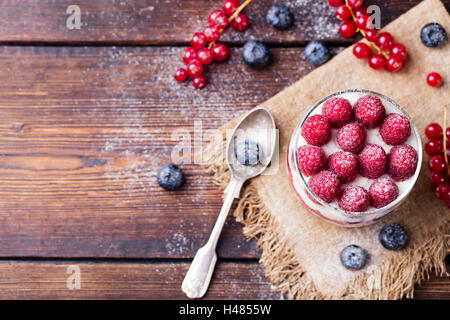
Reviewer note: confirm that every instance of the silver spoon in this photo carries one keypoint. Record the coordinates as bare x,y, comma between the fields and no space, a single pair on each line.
257,126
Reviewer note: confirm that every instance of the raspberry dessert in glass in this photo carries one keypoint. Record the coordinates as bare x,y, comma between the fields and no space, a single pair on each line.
354,157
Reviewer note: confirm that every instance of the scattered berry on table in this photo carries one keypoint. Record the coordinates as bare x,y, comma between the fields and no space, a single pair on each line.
385,41
195,68
361,50
280,17
395,129
338,111
343,12
402,162
256,54
211,33
382,192
198,40
369,111
325,185
434,79
437,178
218,18
354,199
393,236
199,82
443,191
371,35
247,153
432,35
181,75
344,165
317,53
353,257
347,28
205,55
316,130
170,177
230,6
310,159
372,161
377,61
189,54
433,131
398,51
352,137
393,64
437,164
336,3
220,52
240,23
434,147
355,4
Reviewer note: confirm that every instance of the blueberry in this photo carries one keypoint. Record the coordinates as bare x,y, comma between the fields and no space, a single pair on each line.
353,257
170,177
432,35
393,236
316,53
280,17
256,54
247,153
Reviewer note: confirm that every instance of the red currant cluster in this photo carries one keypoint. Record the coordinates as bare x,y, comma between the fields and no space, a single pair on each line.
204,49
389,56
438,164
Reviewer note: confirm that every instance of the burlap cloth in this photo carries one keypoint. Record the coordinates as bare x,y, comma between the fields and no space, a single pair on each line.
300,252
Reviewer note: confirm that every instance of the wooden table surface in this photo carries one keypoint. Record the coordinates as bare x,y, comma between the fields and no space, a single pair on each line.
88,116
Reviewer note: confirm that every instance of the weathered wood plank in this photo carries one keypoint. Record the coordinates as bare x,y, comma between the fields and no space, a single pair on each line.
169,22
83,131
98,280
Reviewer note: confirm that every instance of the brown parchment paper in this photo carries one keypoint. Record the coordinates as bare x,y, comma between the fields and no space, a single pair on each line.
300,252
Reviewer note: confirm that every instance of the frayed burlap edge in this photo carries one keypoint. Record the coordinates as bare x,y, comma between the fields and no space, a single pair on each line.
394,279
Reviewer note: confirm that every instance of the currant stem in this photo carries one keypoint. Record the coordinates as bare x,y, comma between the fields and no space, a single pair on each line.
231,18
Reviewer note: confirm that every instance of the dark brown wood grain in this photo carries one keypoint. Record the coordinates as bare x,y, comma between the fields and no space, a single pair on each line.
112,280
168,22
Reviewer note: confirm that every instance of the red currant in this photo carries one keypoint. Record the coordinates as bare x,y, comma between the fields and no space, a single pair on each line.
377,61
398,51
359,11
361,50
218,18
220,52
438,178
211,33
347,28
385,41
363,22
343,12
433,131
393,64
355,4
447,134
336,3
195,68
437,164
189,54
434,79
443,191
433,147
240,23
205,55
371,35
198,40
199,82
230,6
181,75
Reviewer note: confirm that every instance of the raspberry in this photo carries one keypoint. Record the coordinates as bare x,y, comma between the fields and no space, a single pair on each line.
310,160
382,192
344,165
351,137
338,111
354,199
325,185
369,111
395,129
316,130
402,162
372,161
